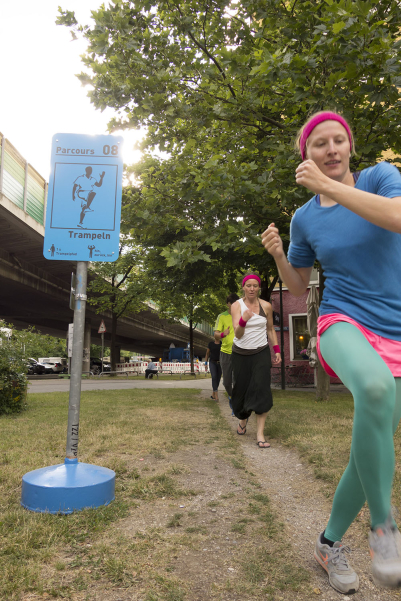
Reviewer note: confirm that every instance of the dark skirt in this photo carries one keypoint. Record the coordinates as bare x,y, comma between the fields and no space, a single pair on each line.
251,390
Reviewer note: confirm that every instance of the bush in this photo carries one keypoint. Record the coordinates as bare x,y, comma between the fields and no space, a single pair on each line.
13,381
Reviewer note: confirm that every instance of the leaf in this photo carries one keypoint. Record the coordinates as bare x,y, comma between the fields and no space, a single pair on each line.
190,144
337,27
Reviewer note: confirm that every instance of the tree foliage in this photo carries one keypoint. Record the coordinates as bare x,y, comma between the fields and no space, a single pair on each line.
196,293
13,381
119,287
222,87
30,342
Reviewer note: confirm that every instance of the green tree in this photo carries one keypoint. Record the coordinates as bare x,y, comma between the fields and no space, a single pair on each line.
196,293
171,214
96,351
32,343
35,344
223,87
13,381
119,288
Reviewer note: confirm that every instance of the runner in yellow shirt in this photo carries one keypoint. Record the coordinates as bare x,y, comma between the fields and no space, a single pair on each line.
224,332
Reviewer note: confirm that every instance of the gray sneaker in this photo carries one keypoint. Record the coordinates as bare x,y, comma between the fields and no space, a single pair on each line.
341,575
385,550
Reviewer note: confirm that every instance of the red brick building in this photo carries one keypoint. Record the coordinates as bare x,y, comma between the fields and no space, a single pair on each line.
296,335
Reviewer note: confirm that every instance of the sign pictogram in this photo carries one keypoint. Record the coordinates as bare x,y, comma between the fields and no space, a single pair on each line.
102,328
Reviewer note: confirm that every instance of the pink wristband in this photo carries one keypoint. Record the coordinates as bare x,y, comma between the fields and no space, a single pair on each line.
276,348
242,322
222,335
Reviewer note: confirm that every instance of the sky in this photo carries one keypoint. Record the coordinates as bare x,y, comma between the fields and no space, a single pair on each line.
40,94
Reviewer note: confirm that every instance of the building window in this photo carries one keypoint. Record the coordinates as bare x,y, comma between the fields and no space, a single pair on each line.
299,336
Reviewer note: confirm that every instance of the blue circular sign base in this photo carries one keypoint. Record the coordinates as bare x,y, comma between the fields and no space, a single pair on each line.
67,487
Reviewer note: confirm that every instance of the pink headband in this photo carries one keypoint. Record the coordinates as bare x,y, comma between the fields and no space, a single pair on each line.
251,277
310,126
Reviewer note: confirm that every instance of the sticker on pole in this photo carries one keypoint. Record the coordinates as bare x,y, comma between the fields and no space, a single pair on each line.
102,328
84,198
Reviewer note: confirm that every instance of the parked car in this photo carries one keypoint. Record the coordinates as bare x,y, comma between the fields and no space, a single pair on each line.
96,365
50,368
34,367
53,365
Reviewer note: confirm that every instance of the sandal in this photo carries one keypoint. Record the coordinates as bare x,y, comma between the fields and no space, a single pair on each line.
261,444
243,428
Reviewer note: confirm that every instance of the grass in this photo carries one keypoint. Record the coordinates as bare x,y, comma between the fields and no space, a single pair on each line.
321,433
115,427
175,521
74,557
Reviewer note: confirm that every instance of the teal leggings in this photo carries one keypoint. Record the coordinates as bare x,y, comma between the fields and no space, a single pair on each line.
377,411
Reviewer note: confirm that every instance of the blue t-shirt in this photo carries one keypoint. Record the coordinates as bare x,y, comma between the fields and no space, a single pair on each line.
361,261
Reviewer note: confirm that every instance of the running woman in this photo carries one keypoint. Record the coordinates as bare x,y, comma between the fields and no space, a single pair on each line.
352,226
251,360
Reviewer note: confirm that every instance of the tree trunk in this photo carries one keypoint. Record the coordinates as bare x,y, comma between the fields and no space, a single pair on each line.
191,345
113,345
322,384
267,288
322,378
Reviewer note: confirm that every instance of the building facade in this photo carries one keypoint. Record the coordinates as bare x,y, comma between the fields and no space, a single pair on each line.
296,335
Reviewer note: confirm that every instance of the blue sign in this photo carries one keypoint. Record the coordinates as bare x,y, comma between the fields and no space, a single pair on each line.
84,198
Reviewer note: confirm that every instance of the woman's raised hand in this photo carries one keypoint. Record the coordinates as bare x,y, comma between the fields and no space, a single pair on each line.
247,314
272,242
308,174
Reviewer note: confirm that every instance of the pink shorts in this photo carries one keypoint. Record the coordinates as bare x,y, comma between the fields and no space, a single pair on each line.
389,350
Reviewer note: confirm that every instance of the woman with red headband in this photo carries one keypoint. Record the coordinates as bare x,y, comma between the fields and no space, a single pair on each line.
251,361
352,226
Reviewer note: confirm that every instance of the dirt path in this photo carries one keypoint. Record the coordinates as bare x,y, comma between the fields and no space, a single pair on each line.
302,506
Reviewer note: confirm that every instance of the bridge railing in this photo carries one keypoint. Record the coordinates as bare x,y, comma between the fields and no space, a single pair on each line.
21,183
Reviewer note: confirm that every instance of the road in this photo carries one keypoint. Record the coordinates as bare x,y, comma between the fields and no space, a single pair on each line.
200,383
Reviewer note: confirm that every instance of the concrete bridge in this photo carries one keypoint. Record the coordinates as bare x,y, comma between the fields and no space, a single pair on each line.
34,291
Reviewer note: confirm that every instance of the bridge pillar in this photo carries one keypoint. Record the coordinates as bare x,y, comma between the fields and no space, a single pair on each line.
87,346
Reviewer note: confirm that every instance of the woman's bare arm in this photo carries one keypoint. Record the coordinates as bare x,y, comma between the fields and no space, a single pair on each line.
295,278
271,332
236,314
379,210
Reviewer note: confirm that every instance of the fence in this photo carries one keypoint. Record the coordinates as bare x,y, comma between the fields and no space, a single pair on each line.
296,375
20,183
166,367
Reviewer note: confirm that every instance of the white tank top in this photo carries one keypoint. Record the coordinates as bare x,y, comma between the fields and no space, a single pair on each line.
255,335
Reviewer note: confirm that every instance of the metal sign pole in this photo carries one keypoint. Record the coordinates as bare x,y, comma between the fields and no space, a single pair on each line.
101,331
102,349
76,361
